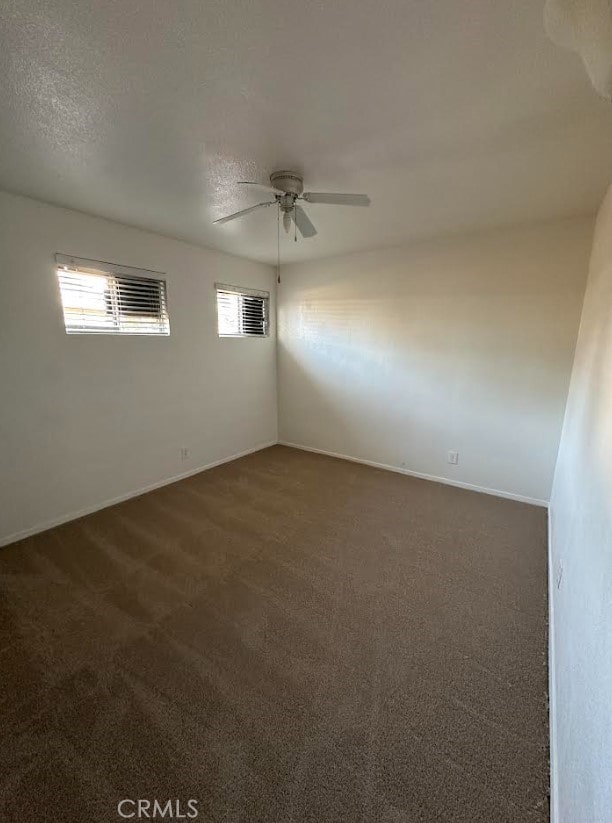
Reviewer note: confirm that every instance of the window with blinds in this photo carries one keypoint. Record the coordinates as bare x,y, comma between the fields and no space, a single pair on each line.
111,302
242,312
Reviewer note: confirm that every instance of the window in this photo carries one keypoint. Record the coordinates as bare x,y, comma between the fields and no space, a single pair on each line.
110,299
242,312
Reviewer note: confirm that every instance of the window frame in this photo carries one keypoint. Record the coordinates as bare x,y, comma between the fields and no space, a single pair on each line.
121,275
243,291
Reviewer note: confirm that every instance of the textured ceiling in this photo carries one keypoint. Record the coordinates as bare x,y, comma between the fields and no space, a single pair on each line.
452,116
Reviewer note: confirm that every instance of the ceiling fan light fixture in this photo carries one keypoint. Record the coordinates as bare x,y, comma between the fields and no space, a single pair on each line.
287,221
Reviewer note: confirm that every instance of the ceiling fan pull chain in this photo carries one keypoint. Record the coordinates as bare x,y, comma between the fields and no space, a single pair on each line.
278,244
294,225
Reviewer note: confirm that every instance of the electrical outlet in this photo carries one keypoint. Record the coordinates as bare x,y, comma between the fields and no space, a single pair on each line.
184,453
453,457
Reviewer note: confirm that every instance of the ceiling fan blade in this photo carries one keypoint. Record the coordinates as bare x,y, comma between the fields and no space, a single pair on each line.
244,211
264,186
336,199
302,221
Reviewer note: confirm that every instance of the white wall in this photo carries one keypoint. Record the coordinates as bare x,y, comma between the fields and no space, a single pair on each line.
397,356
86,419
581,556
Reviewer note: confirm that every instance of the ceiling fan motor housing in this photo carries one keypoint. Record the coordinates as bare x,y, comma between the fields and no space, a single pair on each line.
288,181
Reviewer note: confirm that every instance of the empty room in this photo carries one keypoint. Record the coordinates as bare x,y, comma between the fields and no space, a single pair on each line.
306,411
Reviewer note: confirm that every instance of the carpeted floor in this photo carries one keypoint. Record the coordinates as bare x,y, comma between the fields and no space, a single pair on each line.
285,638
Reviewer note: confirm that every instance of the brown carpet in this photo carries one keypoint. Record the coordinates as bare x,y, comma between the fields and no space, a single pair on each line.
288,637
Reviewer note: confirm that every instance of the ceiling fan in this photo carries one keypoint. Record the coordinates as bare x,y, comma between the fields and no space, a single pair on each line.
287,188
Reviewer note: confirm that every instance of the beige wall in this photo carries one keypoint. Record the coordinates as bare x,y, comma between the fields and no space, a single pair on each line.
581,562
398,356
84,420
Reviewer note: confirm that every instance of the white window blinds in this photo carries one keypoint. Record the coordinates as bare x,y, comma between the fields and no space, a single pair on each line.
242,312
99,301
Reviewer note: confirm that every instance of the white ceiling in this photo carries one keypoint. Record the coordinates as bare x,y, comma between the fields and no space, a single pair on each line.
452,116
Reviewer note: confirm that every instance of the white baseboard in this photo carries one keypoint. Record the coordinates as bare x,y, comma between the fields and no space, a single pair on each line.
534,501
552,684
49,524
